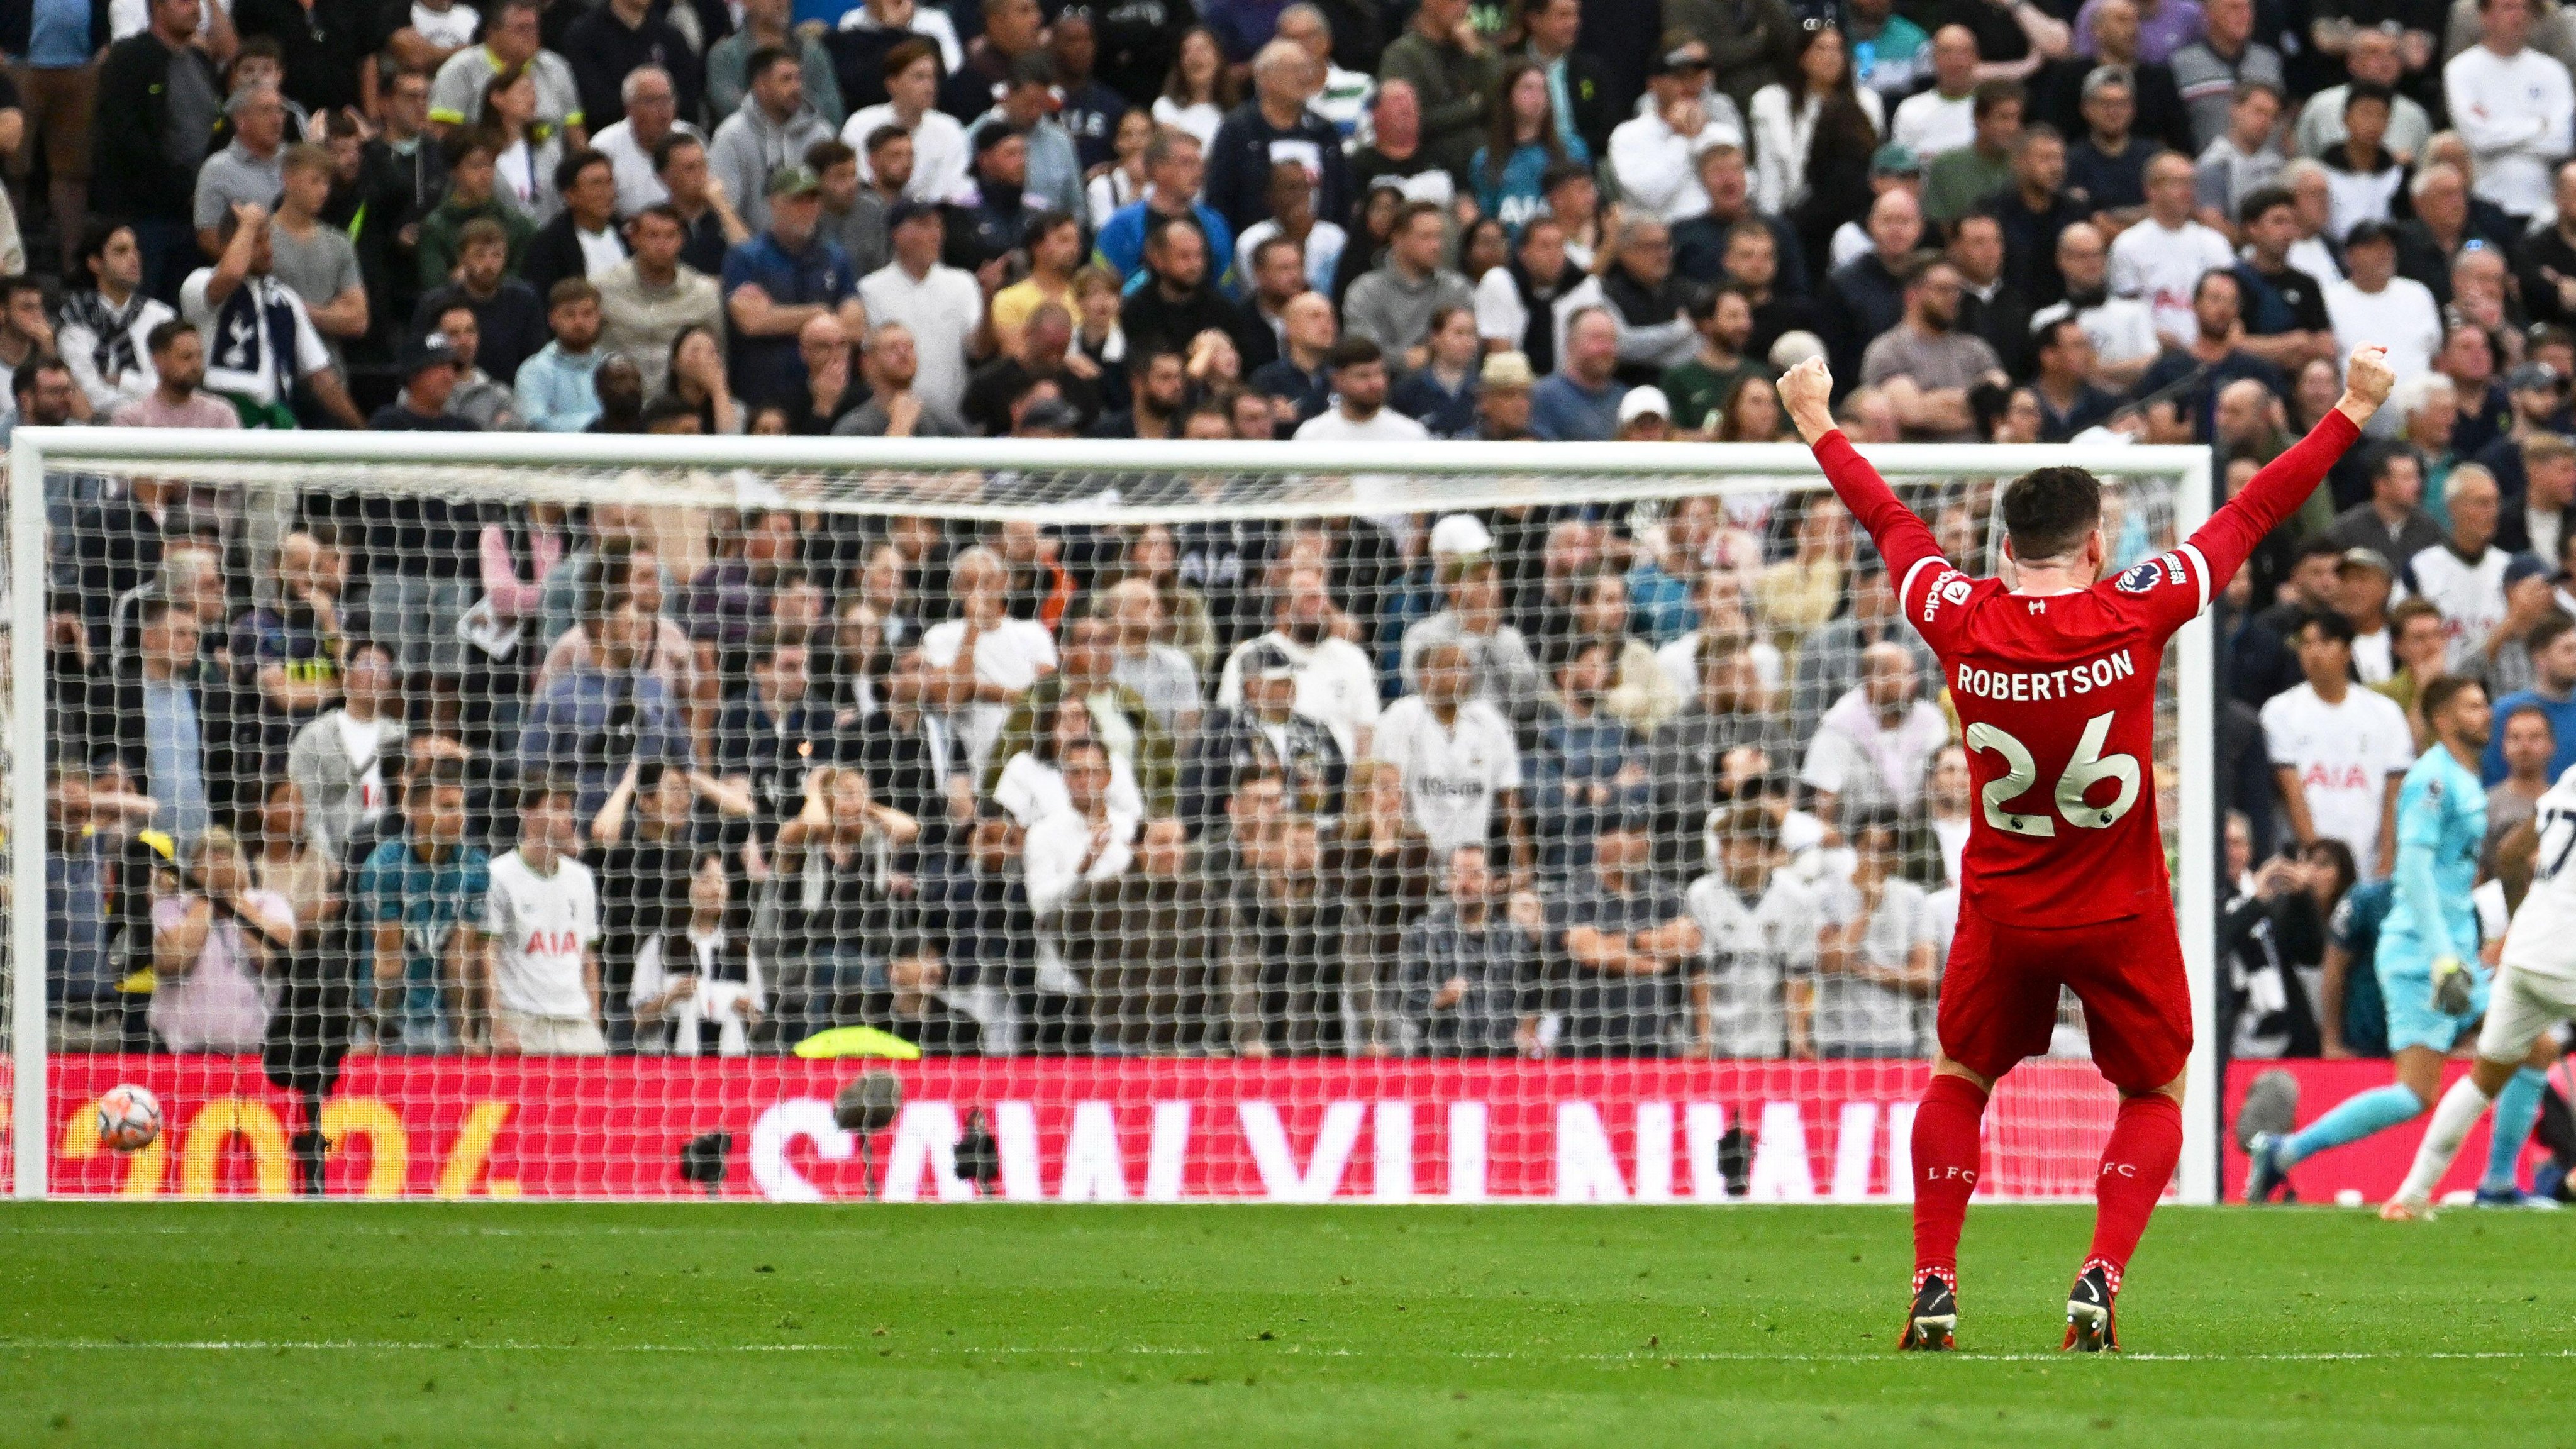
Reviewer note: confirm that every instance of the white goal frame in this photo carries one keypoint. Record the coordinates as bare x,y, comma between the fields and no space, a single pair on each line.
1420,477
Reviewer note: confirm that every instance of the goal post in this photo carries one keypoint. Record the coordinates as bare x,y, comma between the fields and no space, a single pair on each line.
1353,1100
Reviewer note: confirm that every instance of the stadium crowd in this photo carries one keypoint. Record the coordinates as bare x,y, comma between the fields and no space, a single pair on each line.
1559,780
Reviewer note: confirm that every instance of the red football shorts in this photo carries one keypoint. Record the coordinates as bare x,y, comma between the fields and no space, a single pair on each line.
1999,996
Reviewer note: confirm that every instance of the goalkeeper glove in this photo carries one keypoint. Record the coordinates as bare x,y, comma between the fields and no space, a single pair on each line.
2452,985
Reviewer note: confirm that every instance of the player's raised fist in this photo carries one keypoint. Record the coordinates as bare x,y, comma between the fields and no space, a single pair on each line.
1807,395
2366,381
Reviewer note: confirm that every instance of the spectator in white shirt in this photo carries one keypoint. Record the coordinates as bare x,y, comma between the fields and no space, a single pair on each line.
2160,260
939,152
1094,840
2514,106
540,978
1652,155
983,660
700,981
941,306
2379,306
1359,413
2465,576
2121,329
1457,758
652,116
2339,751
1872,747
1944,117
1336,683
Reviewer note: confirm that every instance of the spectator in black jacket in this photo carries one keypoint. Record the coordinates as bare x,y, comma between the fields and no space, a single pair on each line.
158,101
401,175
507,312
613,39
582,240
1176,304
1275,126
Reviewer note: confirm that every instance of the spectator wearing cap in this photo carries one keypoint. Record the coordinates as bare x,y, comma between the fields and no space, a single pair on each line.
2549,687
993,218
1579,402
1654,153
1359,413
894,408
2537,394
647,300
1943,119
2464,575
2364,583
1027,105
1892,167
2392,522
1174,169
2537,522
1925,365
1393,305
427,367
1299,382
1645,416
1272,128
582,240
2509,661
1503,400
1501,670
2379,306
1263,732
2107,168
1865,296
768,133
1962,176
786,277
652,117
557,388
768,24
2207,72
1177,300
2160,260
939,154
1453,73
612,42
479,397
1651,301
2513,105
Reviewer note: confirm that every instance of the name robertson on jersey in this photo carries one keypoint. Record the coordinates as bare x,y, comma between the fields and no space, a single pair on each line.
2046,684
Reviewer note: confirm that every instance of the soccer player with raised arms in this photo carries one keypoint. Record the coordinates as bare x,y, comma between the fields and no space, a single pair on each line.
2052,670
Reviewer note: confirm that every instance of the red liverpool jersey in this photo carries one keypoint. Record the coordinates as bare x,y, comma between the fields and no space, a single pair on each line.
2056,694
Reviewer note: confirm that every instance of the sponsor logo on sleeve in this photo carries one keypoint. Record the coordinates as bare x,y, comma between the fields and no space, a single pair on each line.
1949,587
2142,577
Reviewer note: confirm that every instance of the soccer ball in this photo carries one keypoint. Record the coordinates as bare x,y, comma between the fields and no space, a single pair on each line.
129,1118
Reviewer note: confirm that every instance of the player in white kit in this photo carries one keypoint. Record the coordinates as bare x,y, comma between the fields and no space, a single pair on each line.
2534,990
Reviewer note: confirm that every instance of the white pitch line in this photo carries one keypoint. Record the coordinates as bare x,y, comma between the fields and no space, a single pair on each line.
83,1345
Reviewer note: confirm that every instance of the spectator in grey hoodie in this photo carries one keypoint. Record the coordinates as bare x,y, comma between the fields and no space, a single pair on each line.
1392,306
773,128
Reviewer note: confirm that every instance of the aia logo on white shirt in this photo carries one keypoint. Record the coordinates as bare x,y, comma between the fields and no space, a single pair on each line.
542,942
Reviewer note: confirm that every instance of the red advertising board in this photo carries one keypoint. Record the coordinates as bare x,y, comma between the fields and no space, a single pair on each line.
1075,1130
2372,1167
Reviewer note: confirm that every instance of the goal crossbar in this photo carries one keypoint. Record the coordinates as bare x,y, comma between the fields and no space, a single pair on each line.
862,476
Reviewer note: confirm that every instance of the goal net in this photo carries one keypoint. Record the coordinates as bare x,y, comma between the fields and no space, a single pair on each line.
526,816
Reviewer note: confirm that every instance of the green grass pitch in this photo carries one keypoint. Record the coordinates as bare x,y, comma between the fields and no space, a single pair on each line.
135,1325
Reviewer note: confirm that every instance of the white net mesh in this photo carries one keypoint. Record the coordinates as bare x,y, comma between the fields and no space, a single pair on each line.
1011,822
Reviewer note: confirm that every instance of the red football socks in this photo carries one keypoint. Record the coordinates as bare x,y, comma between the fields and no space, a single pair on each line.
1948,1149
2146,1142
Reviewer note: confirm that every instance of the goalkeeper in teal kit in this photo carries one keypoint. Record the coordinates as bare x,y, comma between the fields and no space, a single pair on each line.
2429,972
